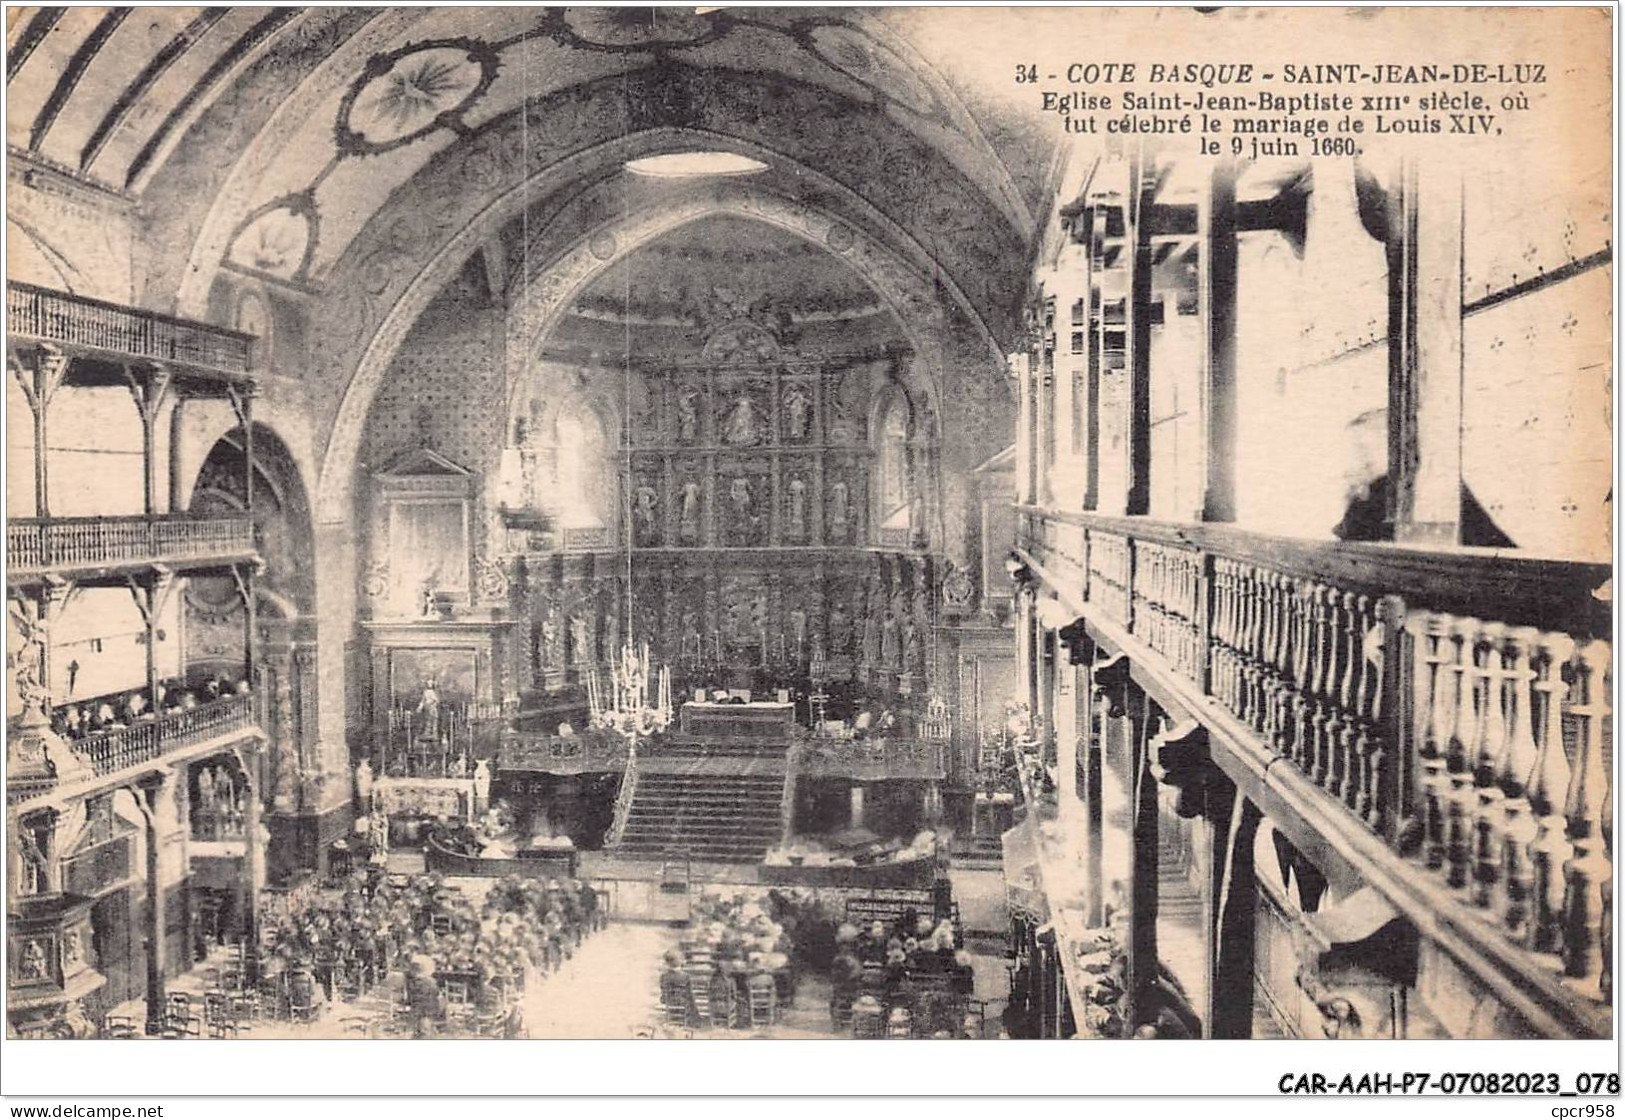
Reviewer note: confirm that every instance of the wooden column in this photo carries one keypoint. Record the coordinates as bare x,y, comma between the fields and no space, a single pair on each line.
150,388
1142,884
1425,354
39,371
1229,1013
1137,234
242,403
149,795
1216,298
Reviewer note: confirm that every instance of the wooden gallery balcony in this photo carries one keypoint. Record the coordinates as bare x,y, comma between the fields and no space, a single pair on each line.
1439,718
35,546
118,754
94,328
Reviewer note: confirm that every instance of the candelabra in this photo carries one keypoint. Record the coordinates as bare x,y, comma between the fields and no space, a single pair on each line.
938,724
631,711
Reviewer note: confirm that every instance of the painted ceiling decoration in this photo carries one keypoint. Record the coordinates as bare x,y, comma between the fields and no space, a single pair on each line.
412,91
278,240
236,104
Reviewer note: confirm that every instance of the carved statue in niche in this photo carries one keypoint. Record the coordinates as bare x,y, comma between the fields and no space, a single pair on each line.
691,648
688,416
840,630
797,413
743,504
796,521
797,629
688,528
645,505
913,662
73,950
580,640
31,963
612,624
891,653
839,502
743,423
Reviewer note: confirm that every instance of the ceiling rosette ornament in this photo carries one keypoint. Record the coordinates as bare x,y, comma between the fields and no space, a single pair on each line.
408,93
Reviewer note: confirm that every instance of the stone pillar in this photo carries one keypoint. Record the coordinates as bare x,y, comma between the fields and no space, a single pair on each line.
857,807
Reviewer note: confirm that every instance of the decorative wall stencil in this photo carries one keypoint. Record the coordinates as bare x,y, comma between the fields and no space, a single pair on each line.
877,66
410,92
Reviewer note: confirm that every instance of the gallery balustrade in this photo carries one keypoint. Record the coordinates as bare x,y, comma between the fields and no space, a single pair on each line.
1452,702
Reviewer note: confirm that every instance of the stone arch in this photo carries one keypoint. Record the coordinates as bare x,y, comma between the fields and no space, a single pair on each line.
890,268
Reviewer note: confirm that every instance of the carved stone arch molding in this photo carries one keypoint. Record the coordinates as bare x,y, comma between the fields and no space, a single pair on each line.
396,271
539,304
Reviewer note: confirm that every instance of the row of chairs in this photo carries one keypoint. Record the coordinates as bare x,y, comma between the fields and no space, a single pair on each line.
713,1001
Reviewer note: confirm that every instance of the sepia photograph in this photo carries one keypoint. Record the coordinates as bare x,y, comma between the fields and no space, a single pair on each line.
808,523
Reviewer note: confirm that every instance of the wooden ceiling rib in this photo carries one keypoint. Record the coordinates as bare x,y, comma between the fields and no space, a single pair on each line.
72,72
32,35
217,71
150,73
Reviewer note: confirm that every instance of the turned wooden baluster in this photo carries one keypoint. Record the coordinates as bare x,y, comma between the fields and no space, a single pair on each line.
1459,752
1302,659
1438,718
1280,737
1228,620
1244,644
1320,676
1224,634
1489,759
1591,865
1347,771
1517,771
1382,620
1357,792
1547,793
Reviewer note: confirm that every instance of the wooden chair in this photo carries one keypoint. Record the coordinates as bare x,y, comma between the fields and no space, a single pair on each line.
674,999
301,997
224,1028
764,1003
867,1019
699,1001
120,1026
216,1006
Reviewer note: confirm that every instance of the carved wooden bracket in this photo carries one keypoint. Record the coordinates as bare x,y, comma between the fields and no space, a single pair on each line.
1080,647
1180,758
1111,680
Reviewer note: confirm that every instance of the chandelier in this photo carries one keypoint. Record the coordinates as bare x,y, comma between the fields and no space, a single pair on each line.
639,700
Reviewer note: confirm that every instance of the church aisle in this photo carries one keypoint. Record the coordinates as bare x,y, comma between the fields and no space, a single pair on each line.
609,989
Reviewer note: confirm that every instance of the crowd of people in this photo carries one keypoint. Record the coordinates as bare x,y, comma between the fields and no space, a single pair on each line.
446,949
117,710
739,945
906,978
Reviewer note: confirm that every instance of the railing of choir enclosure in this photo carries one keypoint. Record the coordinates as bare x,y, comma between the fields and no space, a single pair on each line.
560,754
111,751
33,544
1455,702
623,797
51,316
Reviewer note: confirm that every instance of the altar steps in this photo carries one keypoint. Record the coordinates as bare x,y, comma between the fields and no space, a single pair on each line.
712,817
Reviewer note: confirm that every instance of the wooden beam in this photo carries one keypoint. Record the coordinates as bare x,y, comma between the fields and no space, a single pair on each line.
1425,356
1216,299
1138,443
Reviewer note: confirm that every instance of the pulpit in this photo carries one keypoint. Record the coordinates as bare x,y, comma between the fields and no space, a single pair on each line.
48,965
